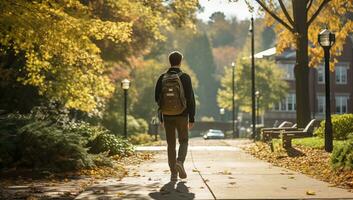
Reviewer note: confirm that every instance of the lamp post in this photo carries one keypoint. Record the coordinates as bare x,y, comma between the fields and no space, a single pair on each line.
257,94
233,103
221,112
125,84
251,30
326,40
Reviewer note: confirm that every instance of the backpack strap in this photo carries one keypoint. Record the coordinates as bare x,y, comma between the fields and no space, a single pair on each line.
180,73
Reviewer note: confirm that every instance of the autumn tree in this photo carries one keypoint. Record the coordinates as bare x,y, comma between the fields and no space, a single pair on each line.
60,48
269,83
198,55
298,23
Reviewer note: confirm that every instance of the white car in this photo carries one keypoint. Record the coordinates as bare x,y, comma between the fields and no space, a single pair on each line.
213,134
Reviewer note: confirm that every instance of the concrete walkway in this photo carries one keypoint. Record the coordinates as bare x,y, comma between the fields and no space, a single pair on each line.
214,172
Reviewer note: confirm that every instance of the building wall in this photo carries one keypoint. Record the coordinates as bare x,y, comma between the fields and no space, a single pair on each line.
317,89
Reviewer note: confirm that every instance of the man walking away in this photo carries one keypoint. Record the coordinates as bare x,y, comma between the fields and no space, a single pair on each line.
176,101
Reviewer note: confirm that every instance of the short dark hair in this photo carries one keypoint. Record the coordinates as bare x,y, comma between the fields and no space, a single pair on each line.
175,58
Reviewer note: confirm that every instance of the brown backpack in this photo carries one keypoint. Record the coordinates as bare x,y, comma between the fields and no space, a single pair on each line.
172,100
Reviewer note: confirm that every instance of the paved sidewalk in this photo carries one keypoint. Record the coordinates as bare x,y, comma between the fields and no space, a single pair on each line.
228,172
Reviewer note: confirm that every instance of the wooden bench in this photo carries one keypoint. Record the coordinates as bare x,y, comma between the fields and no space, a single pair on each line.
287,136
267,133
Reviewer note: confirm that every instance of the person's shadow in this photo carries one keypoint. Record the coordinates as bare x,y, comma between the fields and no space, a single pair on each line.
169,191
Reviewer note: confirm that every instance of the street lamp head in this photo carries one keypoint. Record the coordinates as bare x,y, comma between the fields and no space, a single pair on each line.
222,111
125,84
250,26
233,64
326,38
257,94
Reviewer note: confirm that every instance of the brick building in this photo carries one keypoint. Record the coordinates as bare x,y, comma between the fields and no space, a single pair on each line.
341,81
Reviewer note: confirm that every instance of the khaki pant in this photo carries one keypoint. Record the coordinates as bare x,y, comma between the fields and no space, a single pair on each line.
171,124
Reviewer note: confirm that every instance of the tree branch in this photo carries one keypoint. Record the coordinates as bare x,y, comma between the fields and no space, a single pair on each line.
291,29
322,5
309,5
290,20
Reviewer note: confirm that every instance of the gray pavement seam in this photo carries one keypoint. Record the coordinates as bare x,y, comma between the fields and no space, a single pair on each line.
203,180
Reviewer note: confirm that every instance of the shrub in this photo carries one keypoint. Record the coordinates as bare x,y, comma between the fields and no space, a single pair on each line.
39,140
84,129
115,123
342,156
141,138
48,146
114,145
342,127
9,138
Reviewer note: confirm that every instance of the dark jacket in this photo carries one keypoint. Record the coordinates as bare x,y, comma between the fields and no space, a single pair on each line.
189,94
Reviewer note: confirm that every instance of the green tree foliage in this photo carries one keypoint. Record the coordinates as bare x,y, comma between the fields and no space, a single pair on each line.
221,33
229,37
198,55
268,82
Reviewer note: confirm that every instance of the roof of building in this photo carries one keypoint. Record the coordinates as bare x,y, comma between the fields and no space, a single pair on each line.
271,52
267,53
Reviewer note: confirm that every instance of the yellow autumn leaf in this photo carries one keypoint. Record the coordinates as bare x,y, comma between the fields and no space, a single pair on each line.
310,192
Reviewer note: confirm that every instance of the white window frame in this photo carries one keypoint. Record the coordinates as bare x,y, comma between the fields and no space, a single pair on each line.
320,72
288,69
283,106
341,101
321,101
341,70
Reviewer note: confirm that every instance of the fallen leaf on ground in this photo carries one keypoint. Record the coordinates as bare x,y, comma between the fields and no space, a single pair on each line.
284,188
120,194
313,162
195,170
232,183
225,172
31,198
310,192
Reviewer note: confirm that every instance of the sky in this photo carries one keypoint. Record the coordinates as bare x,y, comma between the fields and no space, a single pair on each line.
230,9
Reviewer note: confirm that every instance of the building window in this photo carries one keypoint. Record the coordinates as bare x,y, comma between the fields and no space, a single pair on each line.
288,70
341,74
320,104
341,104
290,102
320,74
287,104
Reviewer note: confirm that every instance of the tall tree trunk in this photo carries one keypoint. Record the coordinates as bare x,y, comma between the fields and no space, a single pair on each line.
301,69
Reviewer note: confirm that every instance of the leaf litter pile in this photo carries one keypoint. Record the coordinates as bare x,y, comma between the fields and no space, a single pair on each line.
310,161
33,185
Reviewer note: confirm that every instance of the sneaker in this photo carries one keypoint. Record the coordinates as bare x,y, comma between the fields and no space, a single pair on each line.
181,170
174,177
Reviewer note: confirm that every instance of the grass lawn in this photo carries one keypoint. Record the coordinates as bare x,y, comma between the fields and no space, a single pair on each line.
311,142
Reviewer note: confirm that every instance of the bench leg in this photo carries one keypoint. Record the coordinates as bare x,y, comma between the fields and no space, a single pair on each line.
271,146
287,143
266,137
